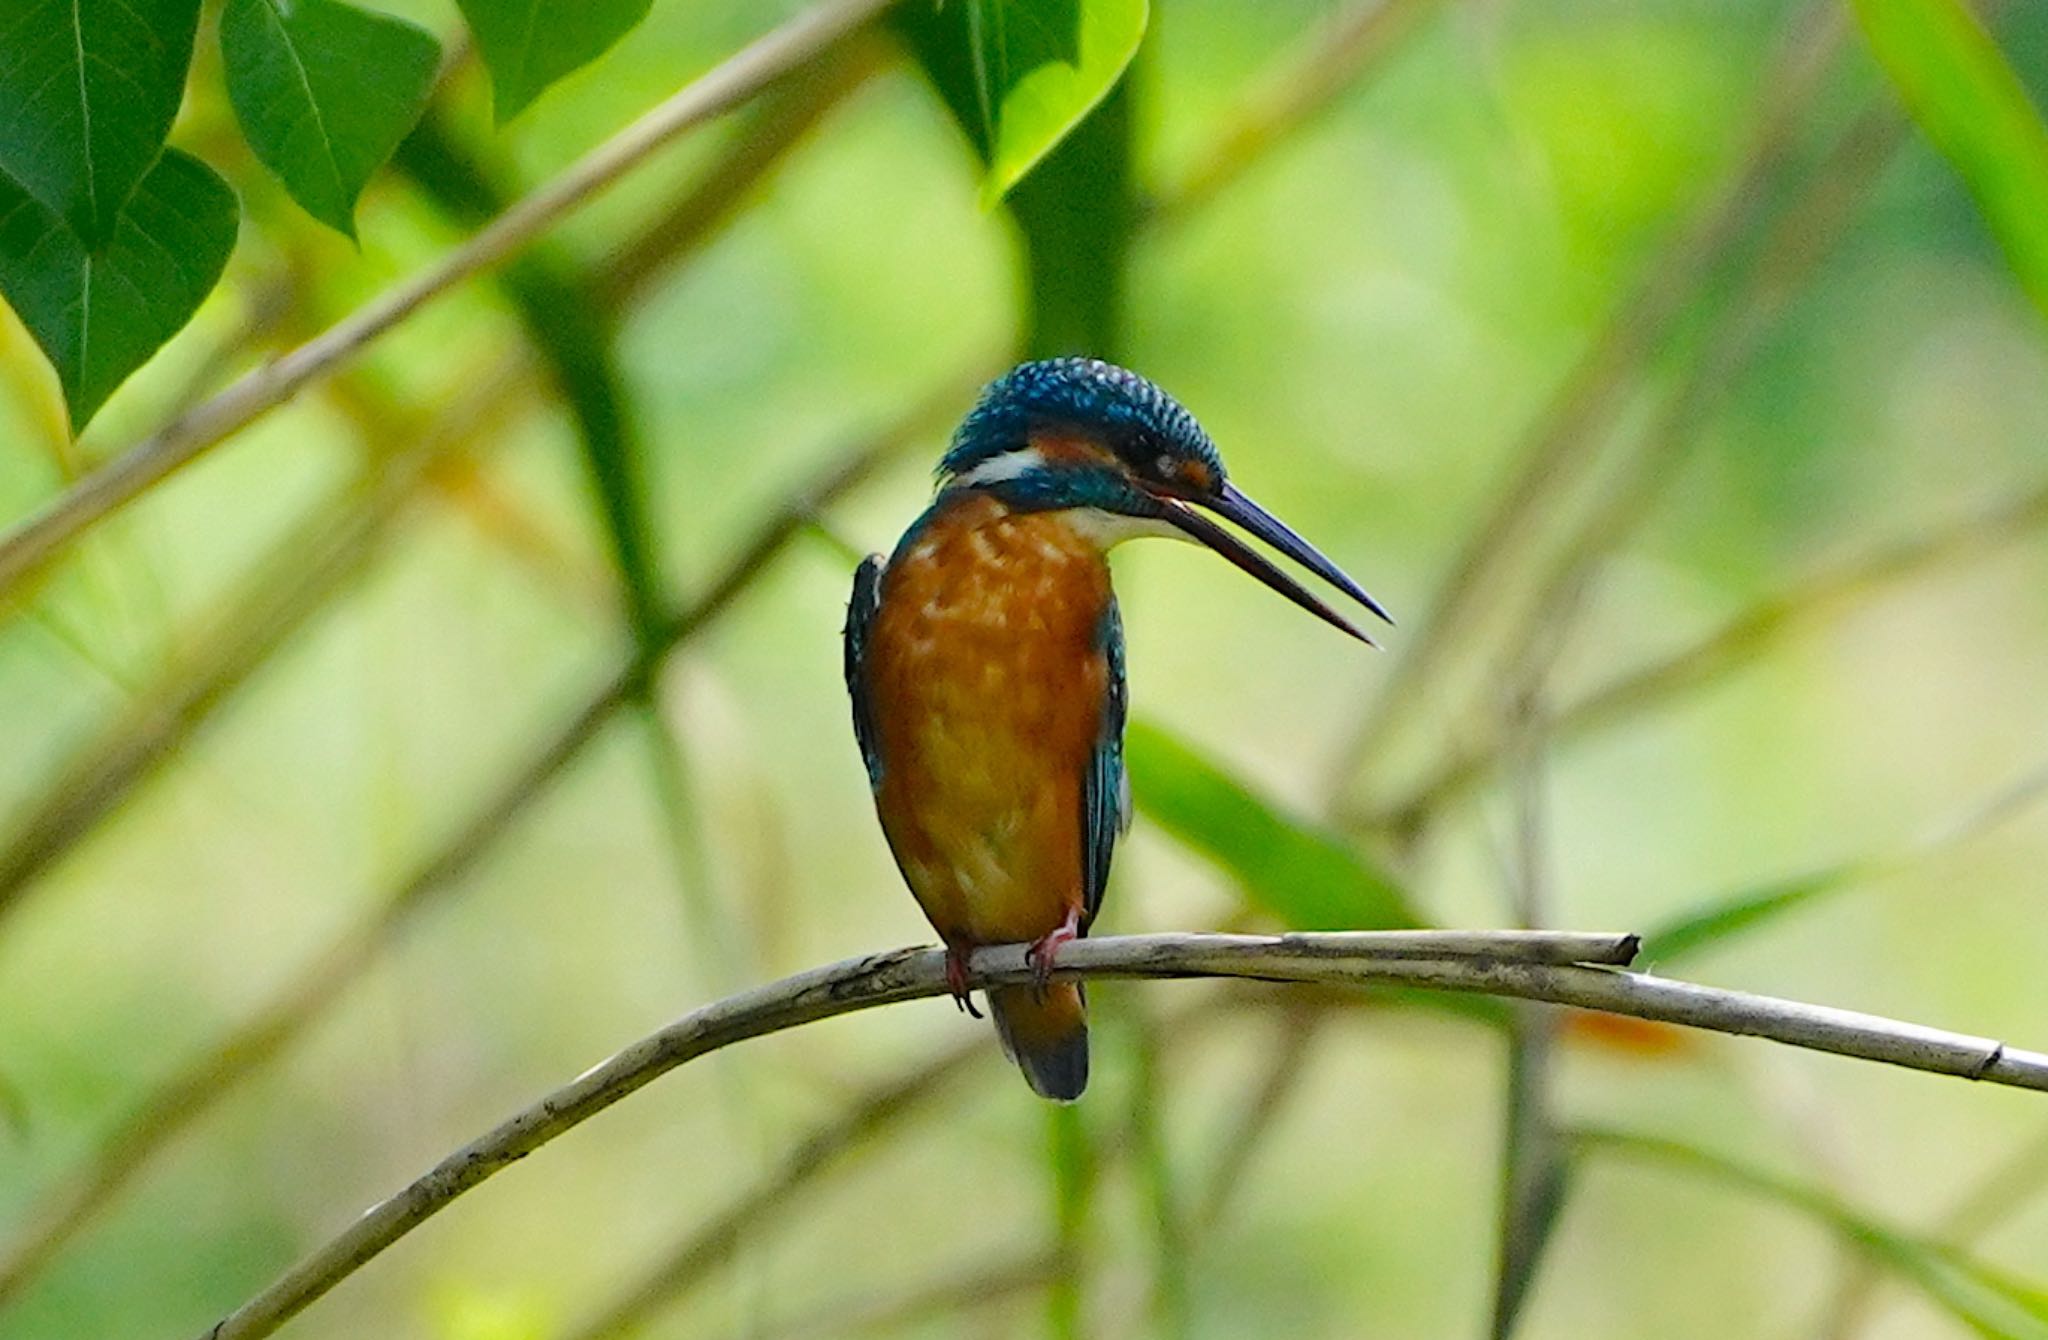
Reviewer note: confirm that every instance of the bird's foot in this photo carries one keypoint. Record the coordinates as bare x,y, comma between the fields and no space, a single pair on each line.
1046,948
956,978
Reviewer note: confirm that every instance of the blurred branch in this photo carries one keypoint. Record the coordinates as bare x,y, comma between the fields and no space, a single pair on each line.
1739,642
1002,1277
1526,965
1563,443
699,1252
289,589
575,339
788,114
1290,1053
316,558
1799,239
1157,1175
30,543
865,1118
1534,1171
172,1106
1291,94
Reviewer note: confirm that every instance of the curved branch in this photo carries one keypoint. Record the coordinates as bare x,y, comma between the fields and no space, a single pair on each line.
803,38
1529,965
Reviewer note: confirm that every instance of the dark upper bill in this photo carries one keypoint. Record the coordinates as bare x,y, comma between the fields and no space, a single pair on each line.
1266,526
1234,506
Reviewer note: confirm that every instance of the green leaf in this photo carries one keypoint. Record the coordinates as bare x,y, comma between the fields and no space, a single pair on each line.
99,315
88,89
1969,103
1020,74
1745,911
1307,878
529,44
324,92
1988,1301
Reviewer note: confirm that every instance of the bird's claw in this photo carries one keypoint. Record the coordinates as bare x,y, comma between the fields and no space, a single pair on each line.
1043,951
956,980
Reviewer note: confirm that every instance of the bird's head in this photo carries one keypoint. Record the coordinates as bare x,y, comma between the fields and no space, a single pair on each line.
1081,435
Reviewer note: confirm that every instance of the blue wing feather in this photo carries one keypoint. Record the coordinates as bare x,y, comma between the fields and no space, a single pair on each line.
860,616
1106,791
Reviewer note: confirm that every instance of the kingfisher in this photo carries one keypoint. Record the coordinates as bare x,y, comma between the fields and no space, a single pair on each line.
985,658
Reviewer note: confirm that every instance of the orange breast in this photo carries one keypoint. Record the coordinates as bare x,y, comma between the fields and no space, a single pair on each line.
988,689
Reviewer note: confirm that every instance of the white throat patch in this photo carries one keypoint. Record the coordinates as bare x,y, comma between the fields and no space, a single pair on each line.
1106,530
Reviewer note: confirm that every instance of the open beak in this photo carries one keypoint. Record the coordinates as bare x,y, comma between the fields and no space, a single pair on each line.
1235,506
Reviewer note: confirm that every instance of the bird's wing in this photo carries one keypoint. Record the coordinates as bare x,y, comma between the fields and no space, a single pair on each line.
860,616
1106,791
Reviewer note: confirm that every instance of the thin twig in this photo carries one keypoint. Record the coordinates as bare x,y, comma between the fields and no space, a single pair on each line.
1524,965
33,541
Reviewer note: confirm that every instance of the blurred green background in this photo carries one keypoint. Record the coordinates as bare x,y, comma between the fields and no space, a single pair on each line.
1790,406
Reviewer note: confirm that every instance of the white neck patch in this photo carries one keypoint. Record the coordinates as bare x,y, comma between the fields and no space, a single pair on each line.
1011,464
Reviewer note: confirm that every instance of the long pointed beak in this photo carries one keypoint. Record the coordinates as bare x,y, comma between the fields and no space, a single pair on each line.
1235,506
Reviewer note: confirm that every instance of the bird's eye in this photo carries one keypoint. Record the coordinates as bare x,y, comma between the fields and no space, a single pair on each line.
1164,465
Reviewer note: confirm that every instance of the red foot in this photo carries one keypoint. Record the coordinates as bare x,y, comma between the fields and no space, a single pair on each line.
1046,948
956,977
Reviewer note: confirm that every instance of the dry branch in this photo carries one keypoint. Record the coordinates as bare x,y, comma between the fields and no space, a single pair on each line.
1527,965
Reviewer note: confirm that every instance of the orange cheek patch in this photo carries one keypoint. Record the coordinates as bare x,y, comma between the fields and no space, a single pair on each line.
1070,449
1198,474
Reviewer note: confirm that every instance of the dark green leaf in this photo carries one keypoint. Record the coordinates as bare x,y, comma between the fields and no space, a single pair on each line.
88,89
324,92
1020,74
1307,878
1077,213
1535,1174
529,44
100,315
1970,104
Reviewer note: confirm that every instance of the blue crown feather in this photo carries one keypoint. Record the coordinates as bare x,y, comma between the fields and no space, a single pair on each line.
1126,412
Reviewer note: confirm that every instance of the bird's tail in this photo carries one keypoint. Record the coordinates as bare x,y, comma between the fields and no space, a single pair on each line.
1046,1034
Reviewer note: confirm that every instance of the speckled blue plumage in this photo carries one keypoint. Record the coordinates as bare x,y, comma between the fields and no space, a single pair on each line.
1114,405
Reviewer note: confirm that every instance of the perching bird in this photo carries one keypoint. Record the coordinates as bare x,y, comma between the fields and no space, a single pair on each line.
986,663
